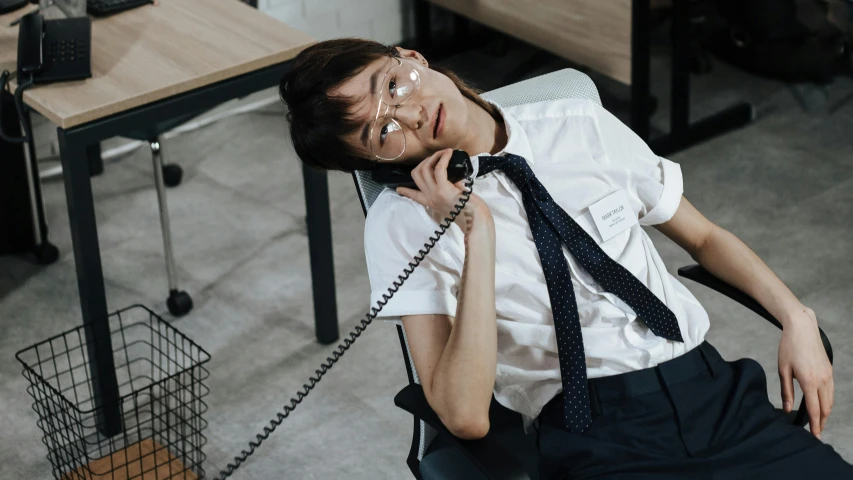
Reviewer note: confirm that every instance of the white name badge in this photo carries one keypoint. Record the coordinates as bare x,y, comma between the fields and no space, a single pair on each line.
613,214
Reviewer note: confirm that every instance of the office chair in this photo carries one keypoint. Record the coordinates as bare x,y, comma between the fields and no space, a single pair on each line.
179,301
507,453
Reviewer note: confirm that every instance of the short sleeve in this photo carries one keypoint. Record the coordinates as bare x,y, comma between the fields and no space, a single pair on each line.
395,231
654,183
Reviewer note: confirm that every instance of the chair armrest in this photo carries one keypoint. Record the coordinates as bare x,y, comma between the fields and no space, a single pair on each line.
492,458
698,274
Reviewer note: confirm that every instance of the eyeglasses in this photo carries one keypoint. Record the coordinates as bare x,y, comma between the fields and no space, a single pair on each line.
387,140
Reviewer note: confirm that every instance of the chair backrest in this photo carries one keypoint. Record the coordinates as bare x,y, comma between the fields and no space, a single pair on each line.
567,83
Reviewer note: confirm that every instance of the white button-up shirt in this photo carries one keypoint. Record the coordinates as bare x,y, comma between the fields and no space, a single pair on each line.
581,154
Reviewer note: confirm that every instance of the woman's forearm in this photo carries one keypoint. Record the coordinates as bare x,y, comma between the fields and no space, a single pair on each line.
729,259
465,375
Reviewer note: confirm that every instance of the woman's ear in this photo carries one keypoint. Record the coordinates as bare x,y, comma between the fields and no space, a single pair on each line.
412,54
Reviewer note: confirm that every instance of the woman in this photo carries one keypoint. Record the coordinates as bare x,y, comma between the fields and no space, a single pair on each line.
479,312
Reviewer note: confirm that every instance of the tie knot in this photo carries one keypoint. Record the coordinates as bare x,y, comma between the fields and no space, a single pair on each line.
511,165
517,169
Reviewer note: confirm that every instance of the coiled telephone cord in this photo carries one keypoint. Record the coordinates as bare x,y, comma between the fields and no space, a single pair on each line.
5,76
347,343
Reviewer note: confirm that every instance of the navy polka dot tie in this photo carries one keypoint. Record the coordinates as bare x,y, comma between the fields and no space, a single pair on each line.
552,227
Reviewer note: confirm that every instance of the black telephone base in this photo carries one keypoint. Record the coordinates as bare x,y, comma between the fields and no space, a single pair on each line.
67,51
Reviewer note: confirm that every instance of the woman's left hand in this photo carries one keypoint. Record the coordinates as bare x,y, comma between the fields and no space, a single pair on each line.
802,356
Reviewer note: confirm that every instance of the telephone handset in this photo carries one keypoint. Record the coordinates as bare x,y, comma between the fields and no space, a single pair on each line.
49,51
395,175
459,168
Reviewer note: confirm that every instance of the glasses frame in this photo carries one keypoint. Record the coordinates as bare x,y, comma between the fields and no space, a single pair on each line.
379,108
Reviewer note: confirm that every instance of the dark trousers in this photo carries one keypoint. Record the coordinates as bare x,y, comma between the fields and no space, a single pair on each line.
694,417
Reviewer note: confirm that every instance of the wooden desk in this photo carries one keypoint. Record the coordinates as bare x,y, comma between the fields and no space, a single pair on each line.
157,51
609,36
595,33
150,65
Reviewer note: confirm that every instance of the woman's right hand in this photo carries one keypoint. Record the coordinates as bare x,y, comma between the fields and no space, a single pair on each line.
440,196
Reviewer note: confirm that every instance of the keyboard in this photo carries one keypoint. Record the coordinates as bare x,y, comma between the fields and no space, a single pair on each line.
100,8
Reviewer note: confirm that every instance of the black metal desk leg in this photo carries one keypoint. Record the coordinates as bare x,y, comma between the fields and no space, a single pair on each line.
319,223
680,41
90,282
423,25
641,91
731,118
683,133
96,163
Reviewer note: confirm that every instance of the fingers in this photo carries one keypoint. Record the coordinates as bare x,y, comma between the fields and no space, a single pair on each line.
813,408
441,166
826,395
414,195
418,177
786,380
433,190
424,173
461,185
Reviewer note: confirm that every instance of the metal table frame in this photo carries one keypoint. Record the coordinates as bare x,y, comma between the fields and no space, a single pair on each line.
75,148
682,133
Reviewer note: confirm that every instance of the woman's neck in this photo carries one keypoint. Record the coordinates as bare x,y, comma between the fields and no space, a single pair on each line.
485,133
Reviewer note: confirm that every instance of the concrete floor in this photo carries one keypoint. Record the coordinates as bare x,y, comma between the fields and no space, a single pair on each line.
784,185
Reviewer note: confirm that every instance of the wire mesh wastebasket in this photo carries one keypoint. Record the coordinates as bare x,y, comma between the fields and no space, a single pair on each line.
161,377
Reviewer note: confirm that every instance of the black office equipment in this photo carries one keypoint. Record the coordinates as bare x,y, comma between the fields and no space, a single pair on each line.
49,51
54,50
15,230
7,6
100,8
395,175
23,228
767,38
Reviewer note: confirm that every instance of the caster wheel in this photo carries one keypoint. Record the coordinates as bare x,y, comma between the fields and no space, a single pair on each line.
46,253
172,175
179,303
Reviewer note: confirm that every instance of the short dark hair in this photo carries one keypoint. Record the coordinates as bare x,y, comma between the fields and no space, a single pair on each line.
320,121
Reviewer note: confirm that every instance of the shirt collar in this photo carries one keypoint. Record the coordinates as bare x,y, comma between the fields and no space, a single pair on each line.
517,141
